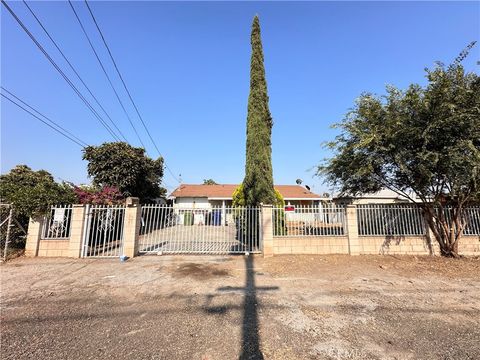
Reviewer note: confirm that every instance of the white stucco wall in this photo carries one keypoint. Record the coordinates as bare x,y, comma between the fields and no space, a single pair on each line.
191,203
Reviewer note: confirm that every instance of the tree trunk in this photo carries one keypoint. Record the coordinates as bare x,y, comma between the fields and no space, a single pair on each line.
447,233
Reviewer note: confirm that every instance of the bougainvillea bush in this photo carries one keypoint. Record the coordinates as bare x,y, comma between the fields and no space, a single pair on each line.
108,195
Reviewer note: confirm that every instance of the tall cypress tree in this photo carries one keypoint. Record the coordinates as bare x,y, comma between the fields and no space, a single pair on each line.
258,183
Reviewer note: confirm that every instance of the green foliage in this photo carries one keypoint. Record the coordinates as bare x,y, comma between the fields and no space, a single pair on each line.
238,198
279,222
423,139
209,182
17,234
279,201
258,182
127,168
32,193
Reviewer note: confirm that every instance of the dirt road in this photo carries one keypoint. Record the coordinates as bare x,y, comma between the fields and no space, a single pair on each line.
286,307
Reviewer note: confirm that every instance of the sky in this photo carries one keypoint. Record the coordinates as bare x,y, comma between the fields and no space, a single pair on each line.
187,66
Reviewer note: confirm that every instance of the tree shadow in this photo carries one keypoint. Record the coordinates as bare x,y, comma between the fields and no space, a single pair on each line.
396,239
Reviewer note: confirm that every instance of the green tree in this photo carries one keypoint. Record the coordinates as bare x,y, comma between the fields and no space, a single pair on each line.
127,168
32,193
209,182
258,182
424,139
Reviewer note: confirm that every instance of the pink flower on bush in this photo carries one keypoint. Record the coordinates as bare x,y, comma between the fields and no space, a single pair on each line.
108,195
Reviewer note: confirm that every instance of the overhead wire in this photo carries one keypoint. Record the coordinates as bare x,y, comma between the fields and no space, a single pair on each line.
127,91
43,115
74,70
106,74
59,70
62,131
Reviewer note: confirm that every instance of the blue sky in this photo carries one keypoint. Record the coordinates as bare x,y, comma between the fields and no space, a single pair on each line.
187,67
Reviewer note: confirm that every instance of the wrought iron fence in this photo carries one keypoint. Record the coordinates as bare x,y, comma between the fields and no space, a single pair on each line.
407,220
321,220
390,220
103,235
57,223
217,230
470,218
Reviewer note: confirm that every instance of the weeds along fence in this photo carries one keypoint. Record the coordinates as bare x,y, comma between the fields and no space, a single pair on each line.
406,220
219,230
322,220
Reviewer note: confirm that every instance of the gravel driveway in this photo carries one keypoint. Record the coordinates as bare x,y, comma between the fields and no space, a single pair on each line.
285,307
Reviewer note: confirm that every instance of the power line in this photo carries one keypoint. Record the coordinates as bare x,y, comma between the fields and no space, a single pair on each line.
44,116
79,143
65,77
74,70
106,74
126,89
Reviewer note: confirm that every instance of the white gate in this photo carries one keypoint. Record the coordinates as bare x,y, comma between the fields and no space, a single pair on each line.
217,230
103,232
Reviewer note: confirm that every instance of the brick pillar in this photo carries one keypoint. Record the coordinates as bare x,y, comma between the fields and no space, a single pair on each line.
352,230
77,228
267,230
34,235
131,227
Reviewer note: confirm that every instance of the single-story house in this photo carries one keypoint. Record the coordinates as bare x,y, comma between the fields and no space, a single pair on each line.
384,196
208,196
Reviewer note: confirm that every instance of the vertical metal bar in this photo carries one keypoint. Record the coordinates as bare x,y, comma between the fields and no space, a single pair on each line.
158,230
86,232
367,216
171,222
116,243
249,227
179,230
94,230
108,230
7,235
151,225
154,242
175,230
183,233
144,243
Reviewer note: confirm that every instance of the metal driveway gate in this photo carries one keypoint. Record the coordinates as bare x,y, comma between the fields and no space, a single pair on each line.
103,232
217,230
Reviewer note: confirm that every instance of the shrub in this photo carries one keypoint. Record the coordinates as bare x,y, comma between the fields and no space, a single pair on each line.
108,195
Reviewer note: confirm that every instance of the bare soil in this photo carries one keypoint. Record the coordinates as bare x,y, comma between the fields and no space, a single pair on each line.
285,307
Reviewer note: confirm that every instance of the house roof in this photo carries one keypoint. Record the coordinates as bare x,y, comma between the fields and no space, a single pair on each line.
289,192
382,194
